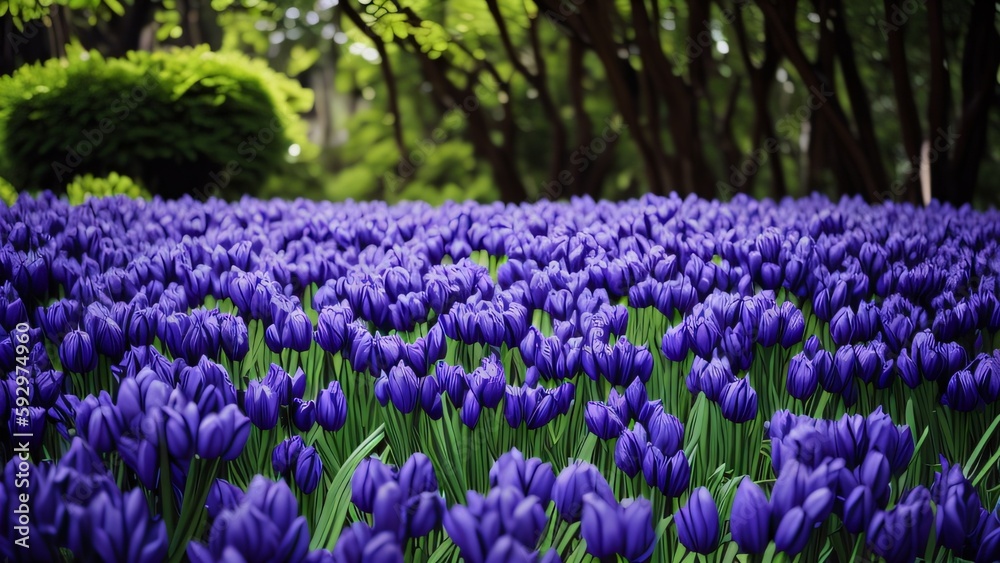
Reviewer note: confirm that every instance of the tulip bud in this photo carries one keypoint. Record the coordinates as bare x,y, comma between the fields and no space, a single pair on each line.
286,454
308,470
739,401
859,507
351,543
423,513
671,475
600,527
962,393
602,421
802,379
331,407
402,387
76,352
332,328
303,414
469,414
261,405
698,522
842,327
575,481
630,450
749,522
370,475
531,477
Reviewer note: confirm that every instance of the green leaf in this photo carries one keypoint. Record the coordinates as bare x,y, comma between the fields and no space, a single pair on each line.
338,496
989,436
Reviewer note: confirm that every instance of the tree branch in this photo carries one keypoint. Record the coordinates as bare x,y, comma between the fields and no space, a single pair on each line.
390,78
828,103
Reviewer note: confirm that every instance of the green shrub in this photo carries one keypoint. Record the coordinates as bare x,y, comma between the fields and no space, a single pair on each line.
180,121
8,194
87,185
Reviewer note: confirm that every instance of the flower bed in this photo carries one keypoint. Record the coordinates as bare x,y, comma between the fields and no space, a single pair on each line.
288,381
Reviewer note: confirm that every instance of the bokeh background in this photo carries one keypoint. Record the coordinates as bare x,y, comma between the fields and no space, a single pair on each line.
501,99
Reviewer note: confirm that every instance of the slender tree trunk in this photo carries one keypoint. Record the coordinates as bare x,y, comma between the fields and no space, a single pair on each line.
980,62
906,105
938,104
858,97
826,99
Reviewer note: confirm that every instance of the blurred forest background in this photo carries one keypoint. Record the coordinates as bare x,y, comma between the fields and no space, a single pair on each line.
519,100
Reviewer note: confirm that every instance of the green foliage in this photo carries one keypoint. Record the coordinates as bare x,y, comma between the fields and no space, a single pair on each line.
22,11
179,121
8,193
87,185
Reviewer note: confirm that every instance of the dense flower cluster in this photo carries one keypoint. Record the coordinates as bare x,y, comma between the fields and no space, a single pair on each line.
289,381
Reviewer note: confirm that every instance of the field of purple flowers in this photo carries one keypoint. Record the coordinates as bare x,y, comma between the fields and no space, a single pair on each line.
653,380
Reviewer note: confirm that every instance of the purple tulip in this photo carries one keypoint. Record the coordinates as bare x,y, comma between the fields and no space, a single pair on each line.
76,352
303,414
637,529
793,531
331,407
665,430
370,475
261,405
471,409
351,543
859,507
749,521
224,434
958,509
222,495
602,421
698,522
452,379
235,337
423,513
402,388
739,401
600,527
575,481
108,336
962,393
286,454
531,476
671,475
308,470
417,476
675,344
630,450
332,328
487,383
802,379
901,534
842,327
